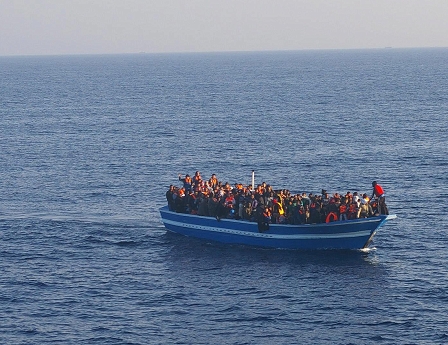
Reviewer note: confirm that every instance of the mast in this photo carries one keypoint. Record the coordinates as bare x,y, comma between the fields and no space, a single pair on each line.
253,180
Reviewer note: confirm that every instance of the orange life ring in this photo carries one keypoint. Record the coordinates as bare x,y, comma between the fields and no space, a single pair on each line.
332,217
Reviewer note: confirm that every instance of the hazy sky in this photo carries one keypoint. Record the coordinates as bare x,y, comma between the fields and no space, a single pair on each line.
29,27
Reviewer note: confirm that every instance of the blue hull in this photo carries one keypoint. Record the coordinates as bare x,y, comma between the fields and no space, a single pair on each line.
351,234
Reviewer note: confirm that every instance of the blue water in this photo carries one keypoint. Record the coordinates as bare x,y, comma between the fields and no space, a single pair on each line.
89,145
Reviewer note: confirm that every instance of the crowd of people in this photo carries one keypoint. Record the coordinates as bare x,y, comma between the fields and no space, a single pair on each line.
265,205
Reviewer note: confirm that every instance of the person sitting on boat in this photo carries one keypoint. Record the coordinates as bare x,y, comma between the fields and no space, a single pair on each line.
226,206
365,198
207,188
239,186
378,192
220,193
283,219
267,215
364,210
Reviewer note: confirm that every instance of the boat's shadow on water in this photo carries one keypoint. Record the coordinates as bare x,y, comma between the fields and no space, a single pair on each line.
206,255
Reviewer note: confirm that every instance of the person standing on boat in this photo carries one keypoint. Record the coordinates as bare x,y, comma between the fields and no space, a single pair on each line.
197,181
213,181
187,182
253,204
379,193
170,198
343,209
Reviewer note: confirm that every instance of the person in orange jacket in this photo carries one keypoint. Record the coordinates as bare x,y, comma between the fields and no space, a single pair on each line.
378,192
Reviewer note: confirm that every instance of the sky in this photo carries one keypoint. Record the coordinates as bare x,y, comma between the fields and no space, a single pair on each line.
59,27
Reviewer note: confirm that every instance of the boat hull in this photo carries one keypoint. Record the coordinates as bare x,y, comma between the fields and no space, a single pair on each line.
351,234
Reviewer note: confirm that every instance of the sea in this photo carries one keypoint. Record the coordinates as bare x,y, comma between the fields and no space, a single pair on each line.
89,145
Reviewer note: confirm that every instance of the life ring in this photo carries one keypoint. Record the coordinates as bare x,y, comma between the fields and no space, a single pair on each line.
332,217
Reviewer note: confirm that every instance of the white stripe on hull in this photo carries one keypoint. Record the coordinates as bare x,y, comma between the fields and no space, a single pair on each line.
363,233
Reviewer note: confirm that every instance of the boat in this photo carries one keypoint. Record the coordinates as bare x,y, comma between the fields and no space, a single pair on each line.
346,234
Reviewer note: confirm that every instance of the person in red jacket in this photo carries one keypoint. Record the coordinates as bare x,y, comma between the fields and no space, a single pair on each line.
378,192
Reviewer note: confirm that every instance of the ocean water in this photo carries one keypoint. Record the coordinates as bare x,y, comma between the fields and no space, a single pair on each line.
89,145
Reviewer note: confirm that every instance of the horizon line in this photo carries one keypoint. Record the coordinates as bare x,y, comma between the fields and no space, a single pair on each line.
222,51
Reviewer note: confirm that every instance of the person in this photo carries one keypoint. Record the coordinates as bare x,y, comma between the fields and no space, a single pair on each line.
306,214
230,203
170,198
187,182
213,181
254,203
213,206
240,198
352,210
180,201
378,192
364,210
247,214
263,217
315,209
355,198
343,210
325,201
277,210
305,200
203,205
197,180
293,211
217,199
192,202
267,214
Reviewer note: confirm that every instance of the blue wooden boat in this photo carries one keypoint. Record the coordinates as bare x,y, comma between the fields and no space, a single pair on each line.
350,234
